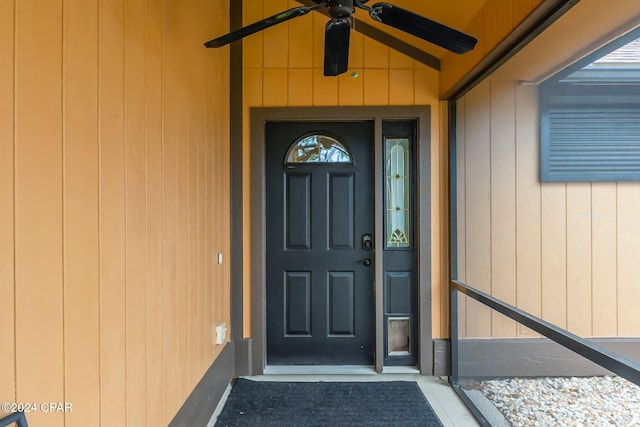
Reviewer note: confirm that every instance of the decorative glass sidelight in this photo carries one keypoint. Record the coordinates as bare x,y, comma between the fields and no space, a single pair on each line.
318,148
397,192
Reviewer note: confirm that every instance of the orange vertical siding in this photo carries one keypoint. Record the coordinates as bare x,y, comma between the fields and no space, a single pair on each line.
503,193
561,251
579,258
528,293
461,208
478,201
135,152
112,212
81,215
170,248
553,260
604,278
154,321
114,203
7,231
39,298
628,248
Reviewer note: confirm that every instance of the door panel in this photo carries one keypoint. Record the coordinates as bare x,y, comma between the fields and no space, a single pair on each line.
340,304
398,287
297,303
341,220
298,211
319,296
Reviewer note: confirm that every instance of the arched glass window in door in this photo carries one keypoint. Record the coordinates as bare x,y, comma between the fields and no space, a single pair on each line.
318,148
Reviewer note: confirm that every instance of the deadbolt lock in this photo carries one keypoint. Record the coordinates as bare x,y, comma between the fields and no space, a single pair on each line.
367,242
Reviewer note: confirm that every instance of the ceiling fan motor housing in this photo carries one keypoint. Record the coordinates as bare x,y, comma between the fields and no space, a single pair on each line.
340,8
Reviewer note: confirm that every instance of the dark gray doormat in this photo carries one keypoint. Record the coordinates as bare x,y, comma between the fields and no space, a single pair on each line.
271,403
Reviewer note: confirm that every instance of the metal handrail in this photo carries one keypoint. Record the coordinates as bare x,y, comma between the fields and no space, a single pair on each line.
595,353
16,417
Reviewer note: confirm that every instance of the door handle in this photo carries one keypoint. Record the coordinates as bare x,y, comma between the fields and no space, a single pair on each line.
366,262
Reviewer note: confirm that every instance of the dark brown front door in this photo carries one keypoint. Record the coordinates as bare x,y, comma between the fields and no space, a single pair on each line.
319,204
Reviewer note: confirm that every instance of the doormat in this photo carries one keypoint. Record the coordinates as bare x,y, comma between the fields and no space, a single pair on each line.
272,403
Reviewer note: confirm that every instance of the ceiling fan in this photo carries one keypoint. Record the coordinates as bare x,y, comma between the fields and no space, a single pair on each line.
337,30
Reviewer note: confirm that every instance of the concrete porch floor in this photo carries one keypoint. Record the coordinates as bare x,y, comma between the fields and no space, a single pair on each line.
447,405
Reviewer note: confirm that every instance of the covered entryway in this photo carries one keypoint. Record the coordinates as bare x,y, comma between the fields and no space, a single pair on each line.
320,298
340,248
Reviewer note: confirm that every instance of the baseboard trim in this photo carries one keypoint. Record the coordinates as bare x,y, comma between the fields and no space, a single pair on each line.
242,349
522,357
198,409
441,357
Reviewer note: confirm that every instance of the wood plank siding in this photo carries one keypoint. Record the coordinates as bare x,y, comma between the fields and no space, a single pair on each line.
114,203
562,251
283,67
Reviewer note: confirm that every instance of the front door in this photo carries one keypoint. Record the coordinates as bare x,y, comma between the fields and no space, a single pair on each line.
319,206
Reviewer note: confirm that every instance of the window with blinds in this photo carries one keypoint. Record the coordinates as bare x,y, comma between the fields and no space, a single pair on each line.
590,117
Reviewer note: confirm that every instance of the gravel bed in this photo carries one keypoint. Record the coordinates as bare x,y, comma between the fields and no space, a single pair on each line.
580,402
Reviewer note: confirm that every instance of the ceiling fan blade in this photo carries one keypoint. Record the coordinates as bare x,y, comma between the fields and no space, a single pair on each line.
260,25
424,28
336,46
